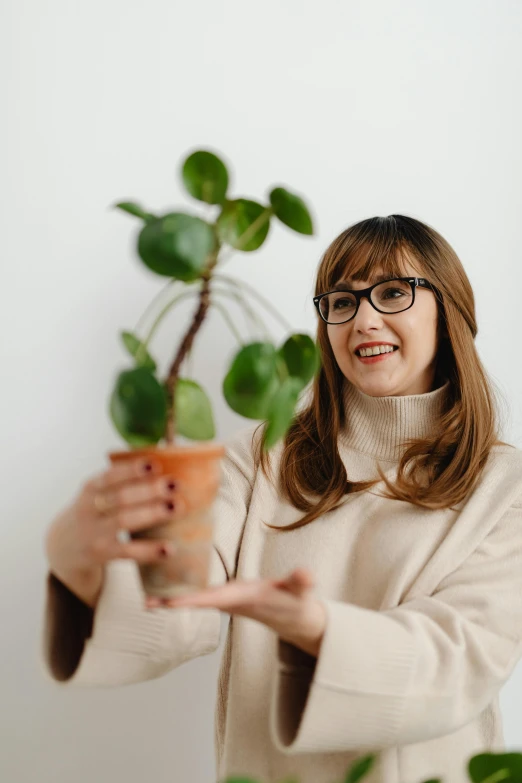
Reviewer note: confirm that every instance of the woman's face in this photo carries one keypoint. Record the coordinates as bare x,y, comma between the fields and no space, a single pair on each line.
410,369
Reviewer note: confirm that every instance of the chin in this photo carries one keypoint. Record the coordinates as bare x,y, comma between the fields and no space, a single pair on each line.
376,387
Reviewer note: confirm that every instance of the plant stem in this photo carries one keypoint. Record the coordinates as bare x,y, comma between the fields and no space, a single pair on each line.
265,302
186,345
144,344
229,321
150,307
256,321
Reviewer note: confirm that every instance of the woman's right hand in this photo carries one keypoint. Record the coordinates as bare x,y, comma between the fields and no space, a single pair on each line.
81,540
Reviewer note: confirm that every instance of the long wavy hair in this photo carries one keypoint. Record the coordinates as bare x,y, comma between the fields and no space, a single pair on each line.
435,472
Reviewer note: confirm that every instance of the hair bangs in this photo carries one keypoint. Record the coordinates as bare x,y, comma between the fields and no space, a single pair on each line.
365,260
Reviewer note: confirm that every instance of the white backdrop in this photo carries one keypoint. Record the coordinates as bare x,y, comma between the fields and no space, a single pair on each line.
365,108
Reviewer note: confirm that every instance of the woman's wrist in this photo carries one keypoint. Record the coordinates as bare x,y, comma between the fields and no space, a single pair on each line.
86,585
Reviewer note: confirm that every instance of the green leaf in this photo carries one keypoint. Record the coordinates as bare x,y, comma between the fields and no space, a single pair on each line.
132,343
205,177
495,767
236,218
138,407
239,780
291,210
194,417
301,357
281,410
360,768
134,209
176,245
252,380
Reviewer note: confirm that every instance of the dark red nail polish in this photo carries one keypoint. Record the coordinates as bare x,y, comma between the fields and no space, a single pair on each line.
170,505
171,485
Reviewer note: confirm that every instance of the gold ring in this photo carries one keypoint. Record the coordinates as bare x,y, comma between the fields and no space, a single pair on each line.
100,504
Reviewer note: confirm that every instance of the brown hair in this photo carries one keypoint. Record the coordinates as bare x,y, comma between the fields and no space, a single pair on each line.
436,472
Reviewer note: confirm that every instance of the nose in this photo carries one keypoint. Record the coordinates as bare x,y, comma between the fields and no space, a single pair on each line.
367,317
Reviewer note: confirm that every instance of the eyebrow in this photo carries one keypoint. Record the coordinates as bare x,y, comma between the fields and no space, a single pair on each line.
343,284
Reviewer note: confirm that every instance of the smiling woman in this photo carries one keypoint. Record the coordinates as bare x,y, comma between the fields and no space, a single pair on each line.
431,324
389,617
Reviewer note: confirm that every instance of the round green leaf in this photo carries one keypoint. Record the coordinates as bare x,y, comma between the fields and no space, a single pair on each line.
291,210
138,407
301,357
134,209
194,417
281,410
360,768
132,344
176,245
236,218
485,765
205,177
252,380
240,780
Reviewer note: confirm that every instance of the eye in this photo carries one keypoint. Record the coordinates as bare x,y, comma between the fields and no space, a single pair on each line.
389,293
340,303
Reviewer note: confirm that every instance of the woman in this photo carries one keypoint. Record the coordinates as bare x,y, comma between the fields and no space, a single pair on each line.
387,616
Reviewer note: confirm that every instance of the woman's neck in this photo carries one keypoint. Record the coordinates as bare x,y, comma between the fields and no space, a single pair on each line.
378,426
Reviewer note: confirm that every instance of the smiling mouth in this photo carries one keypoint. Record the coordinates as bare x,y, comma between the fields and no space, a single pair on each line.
378,357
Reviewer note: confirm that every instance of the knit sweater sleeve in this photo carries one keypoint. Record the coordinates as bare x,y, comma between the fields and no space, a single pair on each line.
411,673
122,642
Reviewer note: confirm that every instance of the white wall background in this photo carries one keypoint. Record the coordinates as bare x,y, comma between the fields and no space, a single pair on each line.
365,108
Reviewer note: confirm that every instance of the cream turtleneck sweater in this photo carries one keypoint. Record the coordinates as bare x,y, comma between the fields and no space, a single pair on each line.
424,618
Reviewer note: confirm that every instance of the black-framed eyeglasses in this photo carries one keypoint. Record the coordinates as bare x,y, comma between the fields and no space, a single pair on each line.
391,296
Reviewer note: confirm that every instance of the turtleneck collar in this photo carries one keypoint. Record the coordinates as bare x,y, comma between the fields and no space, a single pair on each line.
377,426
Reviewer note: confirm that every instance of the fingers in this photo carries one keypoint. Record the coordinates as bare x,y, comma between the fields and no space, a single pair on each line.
225,597
299,582
238,595
83,538
144,552
302,577
122,472
135,519
136,491
135,505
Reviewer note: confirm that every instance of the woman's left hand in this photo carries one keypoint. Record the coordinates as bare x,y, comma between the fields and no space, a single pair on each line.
284,605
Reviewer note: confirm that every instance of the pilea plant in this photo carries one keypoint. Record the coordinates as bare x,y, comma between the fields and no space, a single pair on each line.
263,381
482,768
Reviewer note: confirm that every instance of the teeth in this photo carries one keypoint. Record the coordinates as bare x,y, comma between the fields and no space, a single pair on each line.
377,349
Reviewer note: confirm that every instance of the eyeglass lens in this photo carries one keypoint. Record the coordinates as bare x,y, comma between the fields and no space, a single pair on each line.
391,296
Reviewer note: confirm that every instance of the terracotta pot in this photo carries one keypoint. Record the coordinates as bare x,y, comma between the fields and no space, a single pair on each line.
196,470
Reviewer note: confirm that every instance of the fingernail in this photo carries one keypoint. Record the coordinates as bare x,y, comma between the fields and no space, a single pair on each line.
164,551
170,505
171,485
150,467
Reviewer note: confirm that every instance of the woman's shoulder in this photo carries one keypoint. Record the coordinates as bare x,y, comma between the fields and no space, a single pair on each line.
241,448
503,469
506,452
243,439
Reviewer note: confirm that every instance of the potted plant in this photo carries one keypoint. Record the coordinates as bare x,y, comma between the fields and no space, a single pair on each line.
263,381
